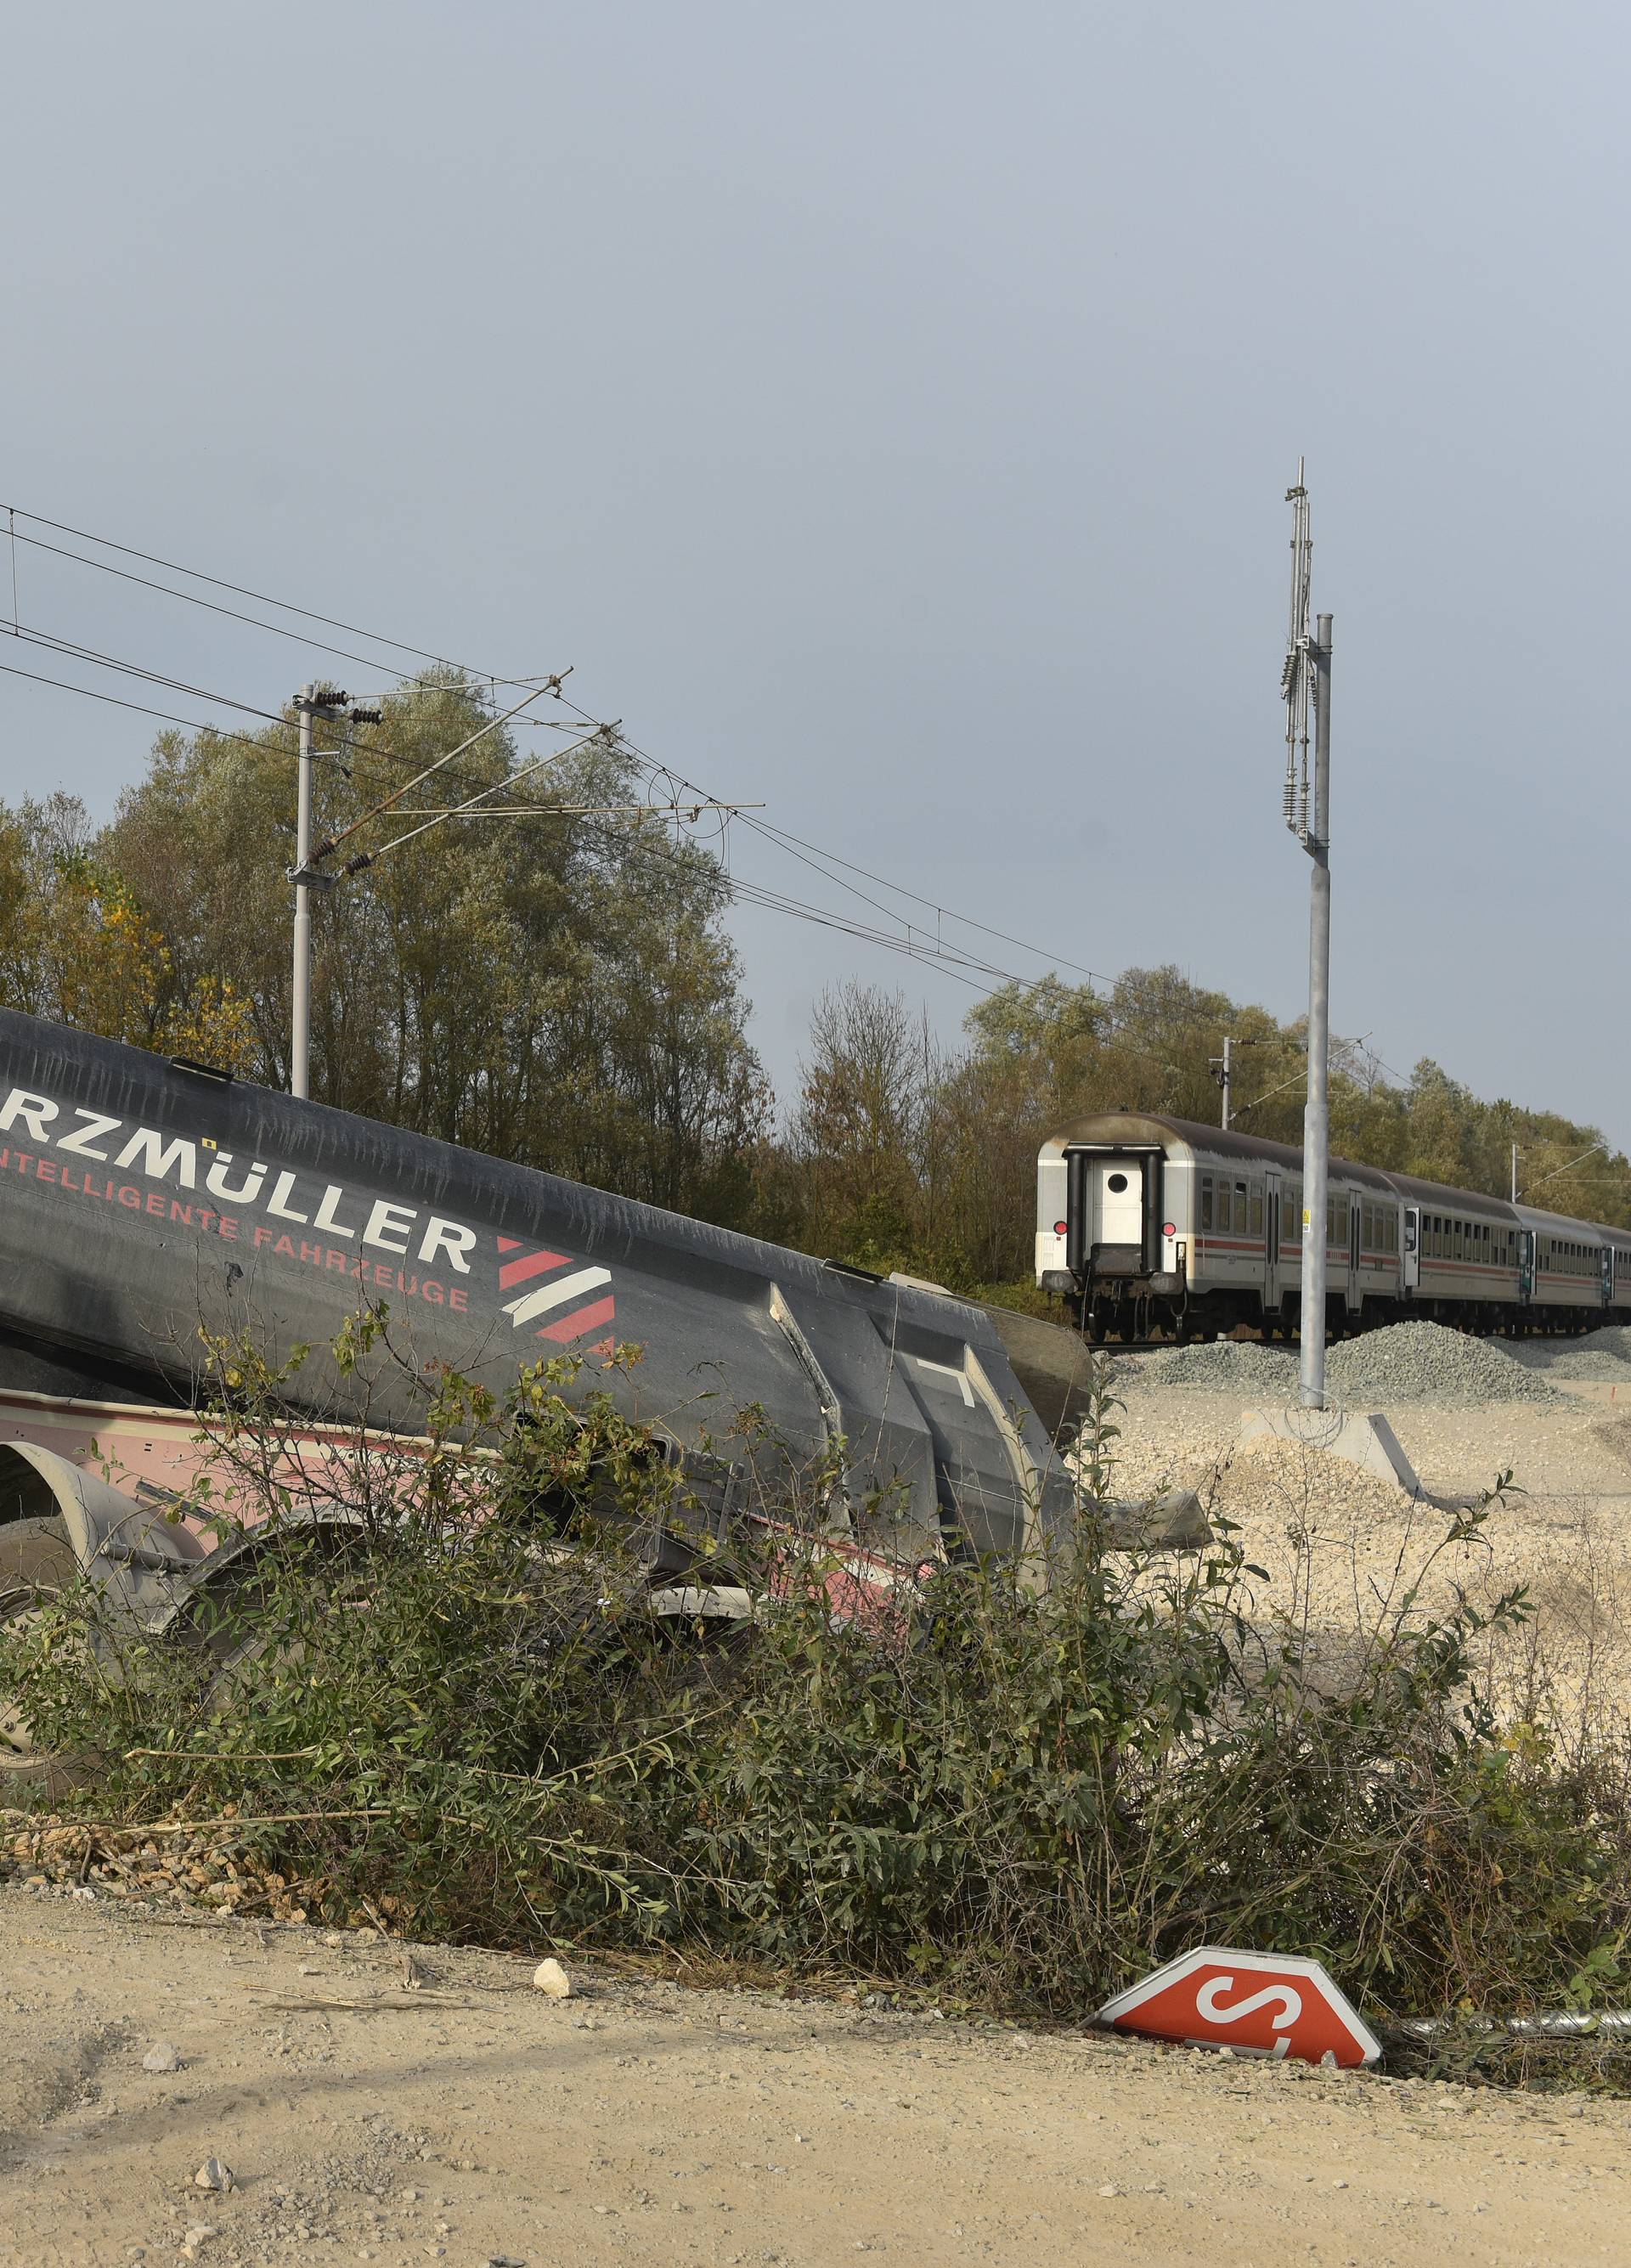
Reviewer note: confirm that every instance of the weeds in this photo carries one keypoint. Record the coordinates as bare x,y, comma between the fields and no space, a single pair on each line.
459,1714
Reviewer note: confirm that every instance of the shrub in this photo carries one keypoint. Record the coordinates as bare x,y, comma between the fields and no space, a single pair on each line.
1016,1786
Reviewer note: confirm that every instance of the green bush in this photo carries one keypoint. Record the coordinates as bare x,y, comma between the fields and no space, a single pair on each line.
1014,1786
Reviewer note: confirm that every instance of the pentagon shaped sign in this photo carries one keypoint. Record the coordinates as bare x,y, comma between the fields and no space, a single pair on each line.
1255,2004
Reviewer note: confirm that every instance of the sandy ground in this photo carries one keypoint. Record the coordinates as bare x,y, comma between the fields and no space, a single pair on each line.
649,2123
467,2118
1341,1550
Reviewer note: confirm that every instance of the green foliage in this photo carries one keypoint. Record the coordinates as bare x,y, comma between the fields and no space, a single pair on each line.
901,1156
562,991
559,990
1011,1784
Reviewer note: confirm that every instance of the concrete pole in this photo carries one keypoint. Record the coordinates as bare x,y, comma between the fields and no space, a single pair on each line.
300,1033
1316,1112
1228,1049
1515,1172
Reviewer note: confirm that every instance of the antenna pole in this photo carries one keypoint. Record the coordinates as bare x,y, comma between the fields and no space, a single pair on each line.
1316,1112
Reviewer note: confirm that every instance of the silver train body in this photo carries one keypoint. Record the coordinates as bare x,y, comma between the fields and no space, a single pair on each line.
1146,1222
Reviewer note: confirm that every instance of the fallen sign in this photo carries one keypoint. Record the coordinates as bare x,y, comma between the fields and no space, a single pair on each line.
1255,2004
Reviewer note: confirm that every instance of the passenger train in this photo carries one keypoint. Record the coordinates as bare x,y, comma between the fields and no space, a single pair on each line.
1148,1223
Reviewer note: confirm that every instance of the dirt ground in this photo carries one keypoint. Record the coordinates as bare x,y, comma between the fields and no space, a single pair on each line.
650,2122
1341,1552
462,2117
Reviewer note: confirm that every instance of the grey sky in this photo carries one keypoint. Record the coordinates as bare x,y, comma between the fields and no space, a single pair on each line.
888,409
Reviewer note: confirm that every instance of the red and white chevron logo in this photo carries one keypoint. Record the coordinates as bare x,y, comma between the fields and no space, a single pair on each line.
565,1299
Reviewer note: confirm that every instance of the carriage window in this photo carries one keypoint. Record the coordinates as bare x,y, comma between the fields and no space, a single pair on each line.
1257,1212
1205,1201
1240,1207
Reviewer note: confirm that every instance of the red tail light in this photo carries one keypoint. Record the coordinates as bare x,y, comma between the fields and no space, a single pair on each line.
1061,1228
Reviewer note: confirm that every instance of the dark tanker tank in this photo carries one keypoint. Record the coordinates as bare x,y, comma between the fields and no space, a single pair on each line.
142,1201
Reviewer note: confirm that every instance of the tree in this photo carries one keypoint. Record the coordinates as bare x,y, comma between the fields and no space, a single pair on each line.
559,990
854,1140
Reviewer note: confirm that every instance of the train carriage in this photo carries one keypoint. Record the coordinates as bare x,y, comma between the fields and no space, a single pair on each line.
1146,1222
1566,1266
1460,1252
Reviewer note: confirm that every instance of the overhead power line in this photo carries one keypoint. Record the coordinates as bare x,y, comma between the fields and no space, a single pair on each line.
792,846
908,938
236,615
140,708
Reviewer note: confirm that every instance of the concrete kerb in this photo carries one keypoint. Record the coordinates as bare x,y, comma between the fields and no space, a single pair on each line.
1364,1439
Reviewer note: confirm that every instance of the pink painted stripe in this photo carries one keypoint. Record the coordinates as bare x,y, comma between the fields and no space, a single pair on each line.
586,1319
522,1271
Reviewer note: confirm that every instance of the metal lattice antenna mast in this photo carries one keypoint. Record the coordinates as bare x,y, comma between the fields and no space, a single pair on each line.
1296,680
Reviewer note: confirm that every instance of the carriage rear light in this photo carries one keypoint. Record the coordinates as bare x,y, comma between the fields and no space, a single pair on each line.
1169,1228
1061,1228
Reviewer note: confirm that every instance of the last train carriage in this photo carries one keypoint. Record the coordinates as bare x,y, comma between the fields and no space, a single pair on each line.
1146,1223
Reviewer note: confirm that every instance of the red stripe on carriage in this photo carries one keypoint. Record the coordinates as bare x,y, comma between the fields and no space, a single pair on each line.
535,1263
586,1319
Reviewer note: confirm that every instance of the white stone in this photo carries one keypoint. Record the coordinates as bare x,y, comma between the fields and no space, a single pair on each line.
212,2175
548,1977
164,2055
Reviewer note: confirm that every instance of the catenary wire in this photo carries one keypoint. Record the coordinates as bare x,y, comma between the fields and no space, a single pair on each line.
262,598
949,963
797,846
808,853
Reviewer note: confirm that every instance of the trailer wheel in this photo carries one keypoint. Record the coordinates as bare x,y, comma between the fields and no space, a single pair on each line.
37,1565
221,1620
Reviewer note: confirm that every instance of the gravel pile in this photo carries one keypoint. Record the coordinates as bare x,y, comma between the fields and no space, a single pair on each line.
1221,1366
1407,1362
1603,1356
1424,1362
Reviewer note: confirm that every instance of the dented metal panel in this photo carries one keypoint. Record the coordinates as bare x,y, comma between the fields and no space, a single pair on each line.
140,1201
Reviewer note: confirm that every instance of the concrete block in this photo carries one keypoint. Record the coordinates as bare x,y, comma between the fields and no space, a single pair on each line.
1365,1440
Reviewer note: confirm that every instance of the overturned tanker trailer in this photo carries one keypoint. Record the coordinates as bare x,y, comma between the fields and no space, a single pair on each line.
142,1201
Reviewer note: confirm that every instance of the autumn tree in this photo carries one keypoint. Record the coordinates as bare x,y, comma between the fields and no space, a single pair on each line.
559,989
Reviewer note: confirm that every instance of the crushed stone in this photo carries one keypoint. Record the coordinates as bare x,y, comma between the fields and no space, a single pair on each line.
1403,1362
1220,1367
1603,1357
1425,1362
